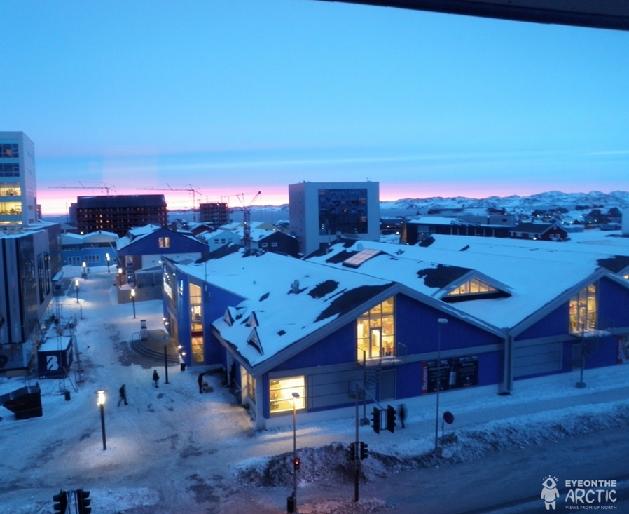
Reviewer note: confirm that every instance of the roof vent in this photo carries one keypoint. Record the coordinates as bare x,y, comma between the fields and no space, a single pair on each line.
294,287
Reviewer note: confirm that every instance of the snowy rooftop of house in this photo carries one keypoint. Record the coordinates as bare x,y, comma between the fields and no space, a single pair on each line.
93,237
291,298
55,343
15,231
137,233
433,220
531,273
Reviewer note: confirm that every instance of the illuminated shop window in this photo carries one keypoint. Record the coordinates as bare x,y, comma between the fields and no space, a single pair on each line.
196,323
375,332
281,393
583,310
248,384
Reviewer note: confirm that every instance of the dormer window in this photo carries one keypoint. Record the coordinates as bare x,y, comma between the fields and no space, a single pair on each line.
252,320
254,341
472,287
228,318
583,310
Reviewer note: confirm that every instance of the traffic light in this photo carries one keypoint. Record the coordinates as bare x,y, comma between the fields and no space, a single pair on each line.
60,502
296,463
83,501
391,414
364,450
375,419
351,452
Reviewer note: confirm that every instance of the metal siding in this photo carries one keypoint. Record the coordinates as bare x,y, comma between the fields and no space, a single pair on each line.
555,323
416,329
13,281
331,389
537,359
408,380
613,304
215,302
339,347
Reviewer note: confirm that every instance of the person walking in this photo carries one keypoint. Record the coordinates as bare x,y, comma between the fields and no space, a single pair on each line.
122,395
155,378
200,382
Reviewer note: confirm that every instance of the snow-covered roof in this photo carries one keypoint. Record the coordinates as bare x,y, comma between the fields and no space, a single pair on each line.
535,273
90,238
432,220
291,299
135,234
56,343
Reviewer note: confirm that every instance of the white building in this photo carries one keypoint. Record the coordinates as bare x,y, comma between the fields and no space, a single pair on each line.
320,212
17,179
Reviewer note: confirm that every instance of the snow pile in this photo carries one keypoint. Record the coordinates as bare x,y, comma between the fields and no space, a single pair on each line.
330,464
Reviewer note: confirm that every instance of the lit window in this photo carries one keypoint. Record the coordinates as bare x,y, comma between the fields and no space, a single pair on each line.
164,242
281,393
196,343
472,287
375,332
583,310
248,385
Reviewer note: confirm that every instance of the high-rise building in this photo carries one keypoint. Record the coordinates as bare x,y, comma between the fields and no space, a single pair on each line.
320,212
17,179
118,213
215,213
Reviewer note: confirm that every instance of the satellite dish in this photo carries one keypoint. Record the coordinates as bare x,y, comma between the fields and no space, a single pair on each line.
448,417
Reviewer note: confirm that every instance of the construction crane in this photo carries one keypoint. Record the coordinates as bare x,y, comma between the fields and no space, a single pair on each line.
189,189
105,188
246,220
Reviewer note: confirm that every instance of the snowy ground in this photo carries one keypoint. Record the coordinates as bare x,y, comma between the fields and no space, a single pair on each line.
174,450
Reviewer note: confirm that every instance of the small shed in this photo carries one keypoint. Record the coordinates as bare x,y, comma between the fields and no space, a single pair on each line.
55,356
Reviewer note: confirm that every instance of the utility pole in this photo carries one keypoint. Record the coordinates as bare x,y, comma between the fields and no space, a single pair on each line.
166,364
441,322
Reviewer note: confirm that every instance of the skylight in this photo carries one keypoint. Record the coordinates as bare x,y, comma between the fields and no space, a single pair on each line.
364,255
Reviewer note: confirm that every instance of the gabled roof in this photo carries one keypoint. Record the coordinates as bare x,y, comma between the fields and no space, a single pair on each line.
533,273
137,234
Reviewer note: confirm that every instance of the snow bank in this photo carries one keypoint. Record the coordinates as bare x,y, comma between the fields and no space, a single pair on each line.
329,463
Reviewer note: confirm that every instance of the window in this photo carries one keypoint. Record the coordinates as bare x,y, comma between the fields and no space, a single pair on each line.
375,332
281,393
196,343
196,323
342,210
583,310
248,385
472,287
9,150
164,242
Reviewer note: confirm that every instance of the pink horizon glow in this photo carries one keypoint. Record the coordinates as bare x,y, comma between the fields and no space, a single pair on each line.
58,202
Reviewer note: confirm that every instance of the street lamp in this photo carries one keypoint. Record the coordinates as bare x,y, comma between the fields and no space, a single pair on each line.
133,301
84,269
295,458
440,323
76,289
100,401
107,259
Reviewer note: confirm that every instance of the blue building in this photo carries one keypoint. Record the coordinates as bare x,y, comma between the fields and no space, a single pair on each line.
403,320
93,249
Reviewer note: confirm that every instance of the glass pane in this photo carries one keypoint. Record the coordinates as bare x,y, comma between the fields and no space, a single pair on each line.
281,393
376,337
362,328
387,326
197,349
388,346
387,306
376,311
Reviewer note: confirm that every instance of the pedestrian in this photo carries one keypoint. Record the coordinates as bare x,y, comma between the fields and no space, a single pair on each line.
156,378
403,415
122,395
200,382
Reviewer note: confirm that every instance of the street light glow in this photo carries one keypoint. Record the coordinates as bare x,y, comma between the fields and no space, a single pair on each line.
76,282
133,293
100,398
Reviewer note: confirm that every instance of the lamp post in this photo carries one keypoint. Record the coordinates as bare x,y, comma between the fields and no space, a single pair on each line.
84,269
133,301
100,400
295,461
440,323
107,259
76,289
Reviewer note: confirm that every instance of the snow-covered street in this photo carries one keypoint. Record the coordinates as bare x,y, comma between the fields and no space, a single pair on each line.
174,450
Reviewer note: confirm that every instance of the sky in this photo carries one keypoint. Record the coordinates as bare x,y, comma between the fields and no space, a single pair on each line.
236,96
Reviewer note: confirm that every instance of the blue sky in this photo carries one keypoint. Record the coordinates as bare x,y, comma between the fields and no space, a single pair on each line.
235,96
